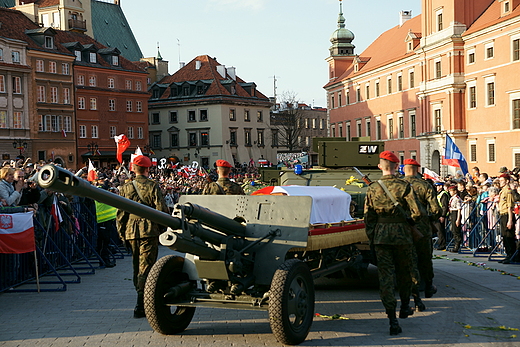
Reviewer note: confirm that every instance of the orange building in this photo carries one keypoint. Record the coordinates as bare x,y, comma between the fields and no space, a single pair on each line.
450,70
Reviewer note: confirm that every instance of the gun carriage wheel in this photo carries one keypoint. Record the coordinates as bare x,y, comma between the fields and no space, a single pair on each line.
291,302
164,284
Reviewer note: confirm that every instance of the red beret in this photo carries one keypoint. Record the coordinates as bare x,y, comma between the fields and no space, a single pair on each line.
387,155
506,176
411,162
143,161
223,163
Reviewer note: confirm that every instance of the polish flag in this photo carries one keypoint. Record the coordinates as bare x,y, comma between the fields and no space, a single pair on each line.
122,144
63,133
92,175
137,153
431,175
17,233
56,214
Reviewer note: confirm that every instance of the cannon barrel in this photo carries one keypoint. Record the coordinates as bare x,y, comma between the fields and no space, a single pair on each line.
55,178
215,220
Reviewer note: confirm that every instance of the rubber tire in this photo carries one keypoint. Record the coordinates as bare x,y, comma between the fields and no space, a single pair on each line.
165,274
291,302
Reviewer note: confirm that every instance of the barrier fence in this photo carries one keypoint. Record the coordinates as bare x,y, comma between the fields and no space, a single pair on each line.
62,256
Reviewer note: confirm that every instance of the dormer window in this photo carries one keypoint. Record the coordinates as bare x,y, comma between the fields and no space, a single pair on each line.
506,7
78,55
49,42
93,57
115,60
356,67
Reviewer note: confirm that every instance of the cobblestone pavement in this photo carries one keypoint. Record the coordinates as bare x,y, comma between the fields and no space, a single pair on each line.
473,307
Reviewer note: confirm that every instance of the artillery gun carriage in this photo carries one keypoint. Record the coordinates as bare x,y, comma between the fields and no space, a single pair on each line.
243,252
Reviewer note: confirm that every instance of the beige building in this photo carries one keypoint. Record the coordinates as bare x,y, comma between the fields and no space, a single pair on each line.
205,112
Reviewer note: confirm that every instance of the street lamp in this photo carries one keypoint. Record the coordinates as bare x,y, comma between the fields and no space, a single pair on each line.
92,148
20,145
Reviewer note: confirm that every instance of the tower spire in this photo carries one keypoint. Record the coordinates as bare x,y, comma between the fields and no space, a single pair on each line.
159,57
342,38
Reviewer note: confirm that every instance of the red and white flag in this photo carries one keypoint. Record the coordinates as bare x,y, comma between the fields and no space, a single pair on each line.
431,175
17,233
56,214
92,174
137,153
63,133
122,144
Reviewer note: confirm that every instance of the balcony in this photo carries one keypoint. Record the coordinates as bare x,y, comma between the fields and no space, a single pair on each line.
77,25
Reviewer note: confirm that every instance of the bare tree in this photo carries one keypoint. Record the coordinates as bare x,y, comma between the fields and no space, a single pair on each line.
288,122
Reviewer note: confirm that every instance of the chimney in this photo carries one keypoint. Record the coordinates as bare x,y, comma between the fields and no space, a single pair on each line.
231,71
181,64
221,69
404,16
198,63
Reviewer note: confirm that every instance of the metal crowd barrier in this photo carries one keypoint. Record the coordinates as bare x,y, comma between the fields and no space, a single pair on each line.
62,256
480,232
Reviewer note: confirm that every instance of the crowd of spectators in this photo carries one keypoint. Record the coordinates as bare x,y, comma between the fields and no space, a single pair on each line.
477,196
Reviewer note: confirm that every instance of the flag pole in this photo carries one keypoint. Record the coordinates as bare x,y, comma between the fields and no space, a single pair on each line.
36,269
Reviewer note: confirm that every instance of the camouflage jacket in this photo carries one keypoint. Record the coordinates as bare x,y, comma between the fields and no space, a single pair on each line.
130,226
427,201
224,186
384,224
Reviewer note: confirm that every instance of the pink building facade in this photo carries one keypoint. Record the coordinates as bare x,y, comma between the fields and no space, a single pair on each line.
450,70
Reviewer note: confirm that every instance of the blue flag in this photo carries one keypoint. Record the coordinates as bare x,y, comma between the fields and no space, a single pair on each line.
453,154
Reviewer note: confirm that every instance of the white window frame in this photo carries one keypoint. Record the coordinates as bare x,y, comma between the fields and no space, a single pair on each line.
138,106
92,81
471,143
81,103
368,124
82,131
40,65
16,57
66,96
359,127
53,67
40,94
129,106
411,72
140,133
491,142
2,83
17,85
78,55
469,52
390,134
112,131
111,104
512,39
65,69
488,46
67,124
138,86
81,80
17,120
439,12
95,131
487,81
469,85
54,95
93,104
92,57
111,83
130,132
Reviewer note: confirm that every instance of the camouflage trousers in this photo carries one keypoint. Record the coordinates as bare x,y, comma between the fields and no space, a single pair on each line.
423,265
144,255
394,260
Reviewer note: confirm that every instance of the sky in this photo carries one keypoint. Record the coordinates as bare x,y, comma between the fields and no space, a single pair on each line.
289,39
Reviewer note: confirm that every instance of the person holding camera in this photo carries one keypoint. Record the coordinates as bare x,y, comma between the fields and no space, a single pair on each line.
11,194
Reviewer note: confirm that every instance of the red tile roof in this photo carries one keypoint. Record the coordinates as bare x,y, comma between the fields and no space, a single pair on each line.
208,71
491,17
390,46
14,25
46,3
70,36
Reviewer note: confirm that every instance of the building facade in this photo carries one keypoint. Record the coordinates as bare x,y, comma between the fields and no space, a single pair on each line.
110,98
446,71
205,112
15,77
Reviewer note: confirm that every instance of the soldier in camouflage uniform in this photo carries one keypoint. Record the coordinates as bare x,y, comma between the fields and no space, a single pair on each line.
223,186
430,211
390,235
141,233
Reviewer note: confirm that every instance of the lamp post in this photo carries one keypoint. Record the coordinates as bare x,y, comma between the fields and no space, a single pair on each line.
20,145
92,148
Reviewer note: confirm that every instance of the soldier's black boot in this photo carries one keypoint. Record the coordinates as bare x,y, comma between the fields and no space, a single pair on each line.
419,304
394,323
429,290
417,299
405,310
139,307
